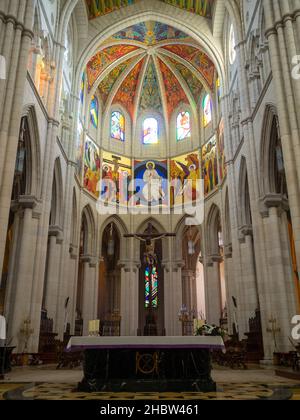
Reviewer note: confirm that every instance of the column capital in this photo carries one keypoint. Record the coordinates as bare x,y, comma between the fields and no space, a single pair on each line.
25,202
228,251
270,200
129,266
244,231
212,259
172,266
86,258
73,250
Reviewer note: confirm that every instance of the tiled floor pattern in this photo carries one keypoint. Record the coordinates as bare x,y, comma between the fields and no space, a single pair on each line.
229,391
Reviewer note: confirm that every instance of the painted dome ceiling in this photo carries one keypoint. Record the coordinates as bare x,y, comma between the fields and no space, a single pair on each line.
150,66
98,8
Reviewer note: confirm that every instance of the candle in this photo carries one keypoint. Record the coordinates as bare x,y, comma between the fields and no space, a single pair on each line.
91,327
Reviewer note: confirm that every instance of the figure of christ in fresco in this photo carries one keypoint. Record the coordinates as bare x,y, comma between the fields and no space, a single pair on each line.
152,190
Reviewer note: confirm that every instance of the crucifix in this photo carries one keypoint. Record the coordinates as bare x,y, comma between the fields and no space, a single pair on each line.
150,261
150,238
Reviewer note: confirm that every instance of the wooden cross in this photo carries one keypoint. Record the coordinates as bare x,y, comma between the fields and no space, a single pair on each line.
149,235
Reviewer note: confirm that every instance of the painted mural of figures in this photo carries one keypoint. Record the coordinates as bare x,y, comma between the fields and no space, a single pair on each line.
186,170
221,151
210,166
91,167
117,172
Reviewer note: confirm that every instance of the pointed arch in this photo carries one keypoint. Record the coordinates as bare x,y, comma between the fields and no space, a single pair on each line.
74,220
89,228
121,229
155,223
270,134
57,195
213,228
32,145
244,195
227,227
180,231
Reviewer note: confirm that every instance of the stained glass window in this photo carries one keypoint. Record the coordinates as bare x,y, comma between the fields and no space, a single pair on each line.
151,288
232,51
150,131
183,126
94,111
207,111
118,126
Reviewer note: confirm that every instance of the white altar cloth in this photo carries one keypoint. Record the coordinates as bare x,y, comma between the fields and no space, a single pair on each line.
155,343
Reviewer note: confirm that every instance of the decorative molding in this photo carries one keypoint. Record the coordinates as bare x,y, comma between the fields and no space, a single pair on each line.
273,200
246,230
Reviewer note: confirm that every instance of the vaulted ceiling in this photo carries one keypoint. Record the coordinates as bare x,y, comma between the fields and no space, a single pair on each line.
98,8
150,66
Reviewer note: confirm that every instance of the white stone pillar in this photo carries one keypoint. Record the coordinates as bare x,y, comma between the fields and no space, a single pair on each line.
17,36
20,298
213,291
52,276
275,301
173,297
72,289
90,292
248,303
129,298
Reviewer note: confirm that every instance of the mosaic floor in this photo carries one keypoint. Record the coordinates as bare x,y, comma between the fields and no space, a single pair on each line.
229,391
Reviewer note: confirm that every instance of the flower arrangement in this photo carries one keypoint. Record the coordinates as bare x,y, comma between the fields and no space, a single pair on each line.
211,330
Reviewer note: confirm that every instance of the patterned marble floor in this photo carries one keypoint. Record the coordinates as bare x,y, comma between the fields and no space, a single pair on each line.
228,391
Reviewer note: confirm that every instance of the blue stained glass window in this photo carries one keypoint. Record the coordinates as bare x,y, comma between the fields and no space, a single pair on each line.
94,111
151,288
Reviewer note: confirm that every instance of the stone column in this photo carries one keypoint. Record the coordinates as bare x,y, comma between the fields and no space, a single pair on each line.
213,290
188,289
52,274
277,301
173,297
281,38
16,31
249,302
72,287
90,292
129,298
19,299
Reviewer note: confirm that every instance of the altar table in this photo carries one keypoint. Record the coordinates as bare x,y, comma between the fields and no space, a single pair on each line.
153,364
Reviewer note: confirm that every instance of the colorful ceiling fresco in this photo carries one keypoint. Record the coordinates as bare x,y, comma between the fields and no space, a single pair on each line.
127,92
98,8
197,58
200,7
103,59
150,33
174,92
191,80
170,60
150,96
109,81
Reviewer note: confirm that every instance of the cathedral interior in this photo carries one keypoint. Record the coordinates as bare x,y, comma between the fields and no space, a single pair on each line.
149,185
